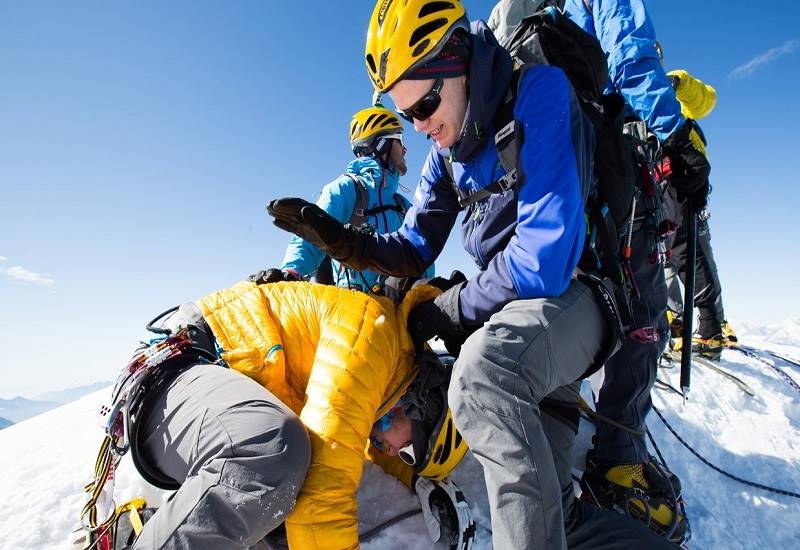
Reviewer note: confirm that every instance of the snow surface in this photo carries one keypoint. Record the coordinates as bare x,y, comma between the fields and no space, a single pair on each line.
46,460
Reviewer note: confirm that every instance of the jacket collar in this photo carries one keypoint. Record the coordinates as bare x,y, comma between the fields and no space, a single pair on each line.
370,172
490,71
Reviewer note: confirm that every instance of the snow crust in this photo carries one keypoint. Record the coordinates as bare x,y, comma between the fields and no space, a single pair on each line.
46,460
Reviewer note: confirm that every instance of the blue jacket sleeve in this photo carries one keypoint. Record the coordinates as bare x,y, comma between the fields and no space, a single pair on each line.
411,250
628,38
556,161
338,199
431,271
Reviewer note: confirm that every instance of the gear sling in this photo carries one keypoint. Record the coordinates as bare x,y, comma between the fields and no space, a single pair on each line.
549,38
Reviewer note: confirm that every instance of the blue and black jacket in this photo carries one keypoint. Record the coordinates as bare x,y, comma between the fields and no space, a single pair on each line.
526,241
628,38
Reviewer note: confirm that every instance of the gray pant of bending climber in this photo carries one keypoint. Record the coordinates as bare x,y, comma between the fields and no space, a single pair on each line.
239,454
529,350
631,372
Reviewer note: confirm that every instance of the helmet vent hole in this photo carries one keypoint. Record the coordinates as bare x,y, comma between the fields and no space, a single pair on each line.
379,120
369,120
421,47
458,439
447,445
438,455
425,30
371,63
433,7
388,122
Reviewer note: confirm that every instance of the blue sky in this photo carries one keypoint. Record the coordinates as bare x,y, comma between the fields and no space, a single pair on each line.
140,142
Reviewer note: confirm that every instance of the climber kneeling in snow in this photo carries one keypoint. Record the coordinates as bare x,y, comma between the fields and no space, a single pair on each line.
286,442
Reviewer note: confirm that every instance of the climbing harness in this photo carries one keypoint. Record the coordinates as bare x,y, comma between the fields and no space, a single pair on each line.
147,370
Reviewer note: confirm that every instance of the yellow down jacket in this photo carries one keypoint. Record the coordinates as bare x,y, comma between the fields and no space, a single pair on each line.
696,97
339,359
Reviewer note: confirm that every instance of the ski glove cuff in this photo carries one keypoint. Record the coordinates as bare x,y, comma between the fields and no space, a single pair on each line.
272,275
351,246
446,512
686,151
439,317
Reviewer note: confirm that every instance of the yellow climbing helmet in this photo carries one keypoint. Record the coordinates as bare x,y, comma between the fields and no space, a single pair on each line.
436,446
445,449
404,33
370,124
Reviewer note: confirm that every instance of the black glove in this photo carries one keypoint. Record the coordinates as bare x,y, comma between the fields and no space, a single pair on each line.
446,511
439,317
272,275
396,288
688,163
350,245
699,198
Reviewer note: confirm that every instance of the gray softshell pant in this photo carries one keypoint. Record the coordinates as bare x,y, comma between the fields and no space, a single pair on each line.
530,350
239,454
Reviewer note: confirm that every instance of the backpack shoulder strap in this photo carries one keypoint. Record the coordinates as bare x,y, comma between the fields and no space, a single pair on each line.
508,139
362,201
401,204
508,132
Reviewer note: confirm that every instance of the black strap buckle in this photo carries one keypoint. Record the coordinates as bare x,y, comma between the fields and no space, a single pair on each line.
508,181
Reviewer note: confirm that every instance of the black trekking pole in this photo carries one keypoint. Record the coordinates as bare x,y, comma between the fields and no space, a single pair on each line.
688,298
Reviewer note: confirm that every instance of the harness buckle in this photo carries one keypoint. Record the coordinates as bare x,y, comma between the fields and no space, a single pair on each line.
508,181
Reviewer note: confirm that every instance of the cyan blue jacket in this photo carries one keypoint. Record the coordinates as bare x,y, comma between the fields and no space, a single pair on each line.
528,240
338,199
627,36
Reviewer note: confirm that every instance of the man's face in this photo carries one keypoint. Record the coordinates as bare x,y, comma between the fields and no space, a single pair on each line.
397,154
444,125
397,436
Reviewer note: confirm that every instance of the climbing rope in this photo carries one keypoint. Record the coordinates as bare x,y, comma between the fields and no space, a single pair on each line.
717,468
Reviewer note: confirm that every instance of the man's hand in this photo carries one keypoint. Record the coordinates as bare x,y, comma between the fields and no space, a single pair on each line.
308,221
690,168
446,511
441,316
272,275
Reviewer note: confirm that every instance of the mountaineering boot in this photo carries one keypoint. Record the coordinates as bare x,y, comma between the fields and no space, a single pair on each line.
675,331
710,348
708,341
675,322
643,491
728,335
673,480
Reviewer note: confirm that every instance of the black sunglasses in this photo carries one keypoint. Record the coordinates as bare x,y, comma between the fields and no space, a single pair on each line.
426,106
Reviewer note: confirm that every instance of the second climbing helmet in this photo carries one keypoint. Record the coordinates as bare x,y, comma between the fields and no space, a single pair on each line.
369,125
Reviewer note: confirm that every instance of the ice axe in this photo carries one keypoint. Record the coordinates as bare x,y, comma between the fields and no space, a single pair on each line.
688,297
